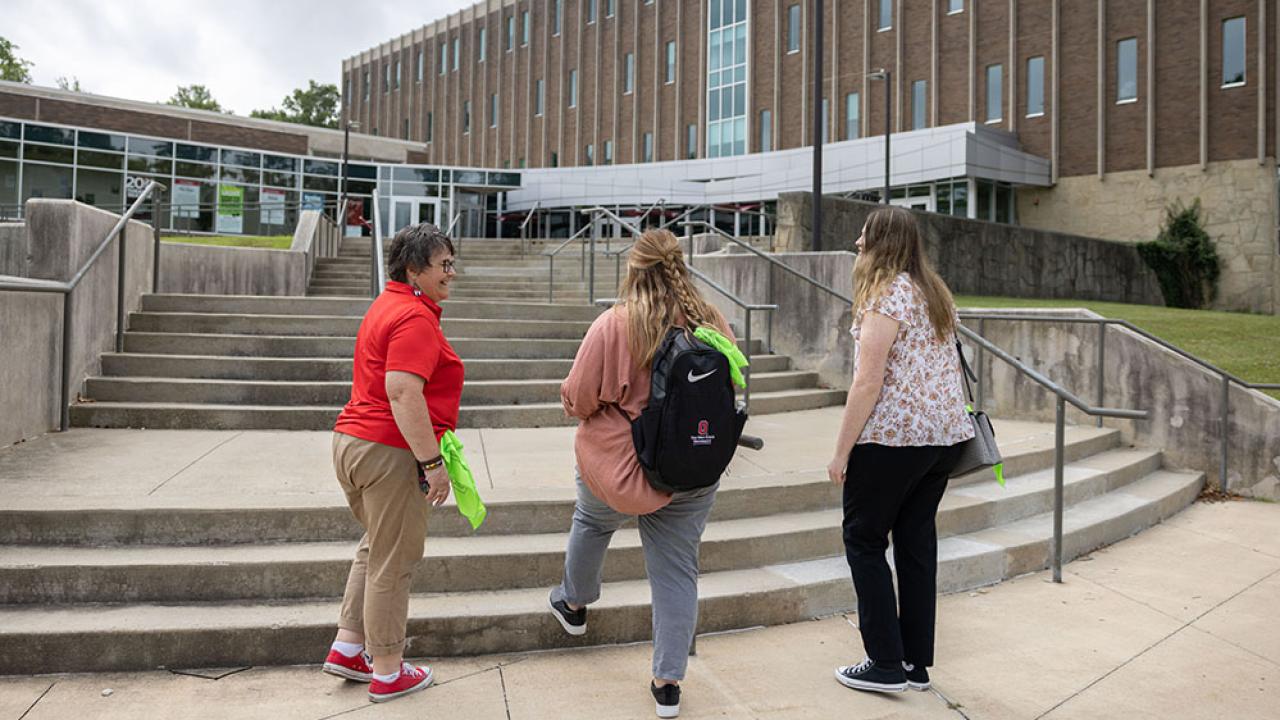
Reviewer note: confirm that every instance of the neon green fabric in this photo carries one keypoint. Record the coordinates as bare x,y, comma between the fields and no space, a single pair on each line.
464,485
998,469
737,360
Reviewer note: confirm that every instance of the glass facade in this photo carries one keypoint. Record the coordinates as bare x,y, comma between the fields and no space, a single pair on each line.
727,78
210,188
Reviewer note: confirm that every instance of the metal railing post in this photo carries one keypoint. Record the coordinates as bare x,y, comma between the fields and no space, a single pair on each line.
746,372
64,422
769,328
155,252
1058,460
591,276
1226,420
1101,372
982,357
120,273
551,278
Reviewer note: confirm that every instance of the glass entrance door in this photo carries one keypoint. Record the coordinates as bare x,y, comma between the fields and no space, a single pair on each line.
411,211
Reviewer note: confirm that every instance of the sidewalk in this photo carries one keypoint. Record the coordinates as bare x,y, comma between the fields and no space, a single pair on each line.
1178,622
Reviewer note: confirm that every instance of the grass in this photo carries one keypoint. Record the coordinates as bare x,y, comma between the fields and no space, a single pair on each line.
273,242
1248,346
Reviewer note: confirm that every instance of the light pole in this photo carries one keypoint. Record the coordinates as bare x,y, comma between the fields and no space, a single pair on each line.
347,127
887,76
817,124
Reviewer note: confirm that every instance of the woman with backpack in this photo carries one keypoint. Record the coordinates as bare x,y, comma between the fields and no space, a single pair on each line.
903,426
608,387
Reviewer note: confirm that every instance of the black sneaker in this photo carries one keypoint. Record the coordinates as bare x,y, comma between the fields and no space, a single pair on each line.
917,676
667,698
873,676
574,622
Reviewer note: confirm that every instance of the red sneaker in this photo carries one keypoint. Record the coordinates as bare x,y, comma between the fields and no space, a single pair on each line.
352,668
411,679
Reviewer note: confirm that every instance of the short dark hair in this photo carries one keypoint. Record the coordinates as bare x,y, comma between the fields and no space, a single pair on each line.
413,247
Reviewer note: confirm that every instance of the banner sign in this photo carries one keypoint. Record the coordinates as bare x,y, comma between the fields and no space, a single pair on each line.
272,206
312,201
230,209
186,199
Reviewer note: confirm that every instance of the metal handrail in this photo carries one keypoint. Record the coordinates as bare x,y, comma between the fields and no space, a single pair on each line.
67,288
453,223
747,309
1227,378
551,262
378,273
524,225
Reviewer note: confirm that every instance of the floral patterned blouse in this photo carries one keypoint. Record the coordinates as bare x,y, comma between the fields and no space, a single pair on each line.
921,402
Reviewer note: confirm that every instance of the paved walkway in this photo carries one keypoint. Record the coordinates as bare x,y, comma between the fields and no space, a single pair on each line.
1178,622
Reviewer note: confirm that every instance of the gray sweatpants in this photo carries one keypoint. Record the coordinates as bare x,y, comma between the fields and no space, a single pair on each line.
670,537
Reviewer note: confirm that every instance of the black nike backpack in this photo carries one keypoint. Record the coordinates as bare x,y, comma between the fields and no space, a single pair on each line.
687,434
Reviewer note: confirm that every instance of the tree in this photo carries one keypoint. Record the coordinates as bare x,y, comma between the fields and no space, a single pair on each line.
1183,258
12,67
316,105
197,97
73,84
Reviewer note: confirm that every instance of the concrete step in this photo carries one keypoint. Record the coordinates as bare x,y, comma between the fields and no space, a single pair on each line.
745,493
105,637
283,346
270,305
45,574
336,393
233,416
344,325
337,292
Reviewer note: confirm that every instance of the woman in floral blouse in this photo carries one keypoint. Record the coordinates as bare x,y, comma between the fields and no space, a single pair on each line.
902,428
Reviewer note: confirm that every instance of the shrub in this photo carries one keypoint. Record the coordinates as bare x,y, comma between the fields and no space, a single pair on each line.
1183,258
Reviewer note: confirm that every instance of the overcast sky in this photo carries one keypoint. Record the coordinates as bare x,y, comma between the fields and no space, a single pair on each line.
249,53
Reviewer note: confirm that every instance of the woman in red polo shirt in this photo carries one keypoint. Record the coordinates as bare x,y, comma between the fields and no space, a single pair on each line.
405,391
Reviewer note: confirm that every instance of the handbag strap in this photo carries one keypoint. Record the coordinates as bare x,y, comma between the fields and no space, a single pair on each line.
966,372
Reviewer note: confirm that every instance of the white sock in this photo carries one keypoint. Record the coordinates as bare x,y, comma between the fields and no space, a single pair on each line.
387,678
348,649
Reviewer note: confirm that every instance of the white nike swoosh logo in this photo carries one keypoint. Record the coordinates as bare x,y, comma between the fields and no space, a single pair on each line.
695,378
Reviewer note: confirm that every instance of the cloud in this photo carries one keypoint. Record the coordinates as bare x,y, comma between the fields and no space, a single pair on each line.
250,54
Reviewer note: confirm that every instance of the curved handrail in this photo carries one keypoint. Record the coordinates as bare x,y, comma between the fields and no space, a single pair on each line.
378,275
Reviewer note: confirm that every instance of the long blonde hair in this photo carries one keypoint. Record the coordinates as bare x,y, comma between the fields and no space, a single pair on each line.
659,294
893,244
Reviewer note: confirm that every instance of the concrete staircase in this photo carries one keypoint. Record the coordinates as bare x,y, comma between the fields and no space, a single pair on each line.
253,363
104,585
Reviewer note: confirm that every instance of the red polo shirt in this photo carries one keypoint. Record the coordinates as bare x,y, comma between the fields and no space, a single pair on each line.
400,332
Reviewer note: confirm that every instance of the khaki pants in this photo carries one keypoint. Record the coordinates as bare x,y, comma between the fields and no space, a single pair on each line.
381,485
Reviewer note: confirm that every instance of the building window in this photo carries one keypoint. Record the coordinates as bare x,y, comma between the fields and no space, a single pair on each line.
525,31
671,62
591,155
608,152
995,95
557,11
444,56
366,85
480,44
422,64
493,110
397,74
691,142
1035,86
466,117
591,15
609,7
346,91
852,117
386,77
726,132
793,29
430,126
919,89
511,32
766,131
1233,52
555,159
540,94
406,129
826,113
629,79
1127,70
955,6
457,52
886,15
648,147
573,88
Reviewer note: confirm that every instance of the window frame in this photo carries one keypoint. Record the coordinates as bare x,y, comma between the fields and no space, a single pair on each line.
629,73
999,67
1120,99
880,16
1244,53
1041,79
672,59
793,24
951,11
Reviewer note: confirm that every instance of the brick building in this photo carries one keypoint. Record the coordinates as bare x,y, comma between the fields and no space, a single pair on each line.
1095,113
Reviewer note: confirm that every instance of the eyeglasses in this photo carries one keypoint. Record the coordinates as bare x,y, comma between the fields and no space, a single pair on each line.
449,266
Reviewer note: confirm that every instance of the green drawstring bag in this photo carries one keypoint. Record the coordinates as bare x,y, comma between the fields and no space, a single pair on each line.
464,485
737,360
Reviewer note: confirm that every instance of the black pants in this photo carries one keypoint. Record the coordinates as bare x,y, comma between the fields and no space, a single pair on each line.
895,489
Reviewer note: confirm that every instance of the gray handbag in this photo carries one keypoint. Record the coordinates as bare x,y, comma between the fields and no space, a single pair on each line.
980,451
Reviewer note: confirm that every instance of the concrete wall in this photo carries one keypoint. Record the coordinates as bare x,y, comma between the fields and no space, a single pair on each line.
13,242
984,258
60,237
211,270
1239,198
1184,399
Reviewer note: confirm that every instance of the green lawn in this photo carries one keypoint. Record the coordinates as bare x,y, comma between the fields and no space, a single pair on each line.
1245,345
274,242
